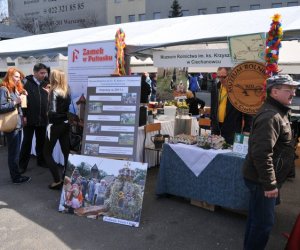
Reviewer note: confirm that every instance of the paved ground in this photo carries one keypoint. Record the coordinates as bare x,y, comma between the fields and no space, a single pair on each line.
29,220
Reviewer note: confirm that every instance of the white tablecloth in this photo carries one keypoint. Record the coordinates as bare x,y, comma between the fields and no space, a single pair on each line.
194,160
167,127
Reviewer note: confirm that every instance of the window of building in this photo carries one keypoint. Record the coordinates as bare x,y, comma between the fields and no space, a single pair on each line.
289,4
221,9
254,6
131,18
156,15
234,8
202,11
276,5
142,17
185,12
118,19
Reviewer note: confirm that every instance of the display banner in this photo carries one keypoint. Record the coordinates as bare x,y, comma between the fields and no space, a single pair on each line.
112,117
95,187
192,58
89,59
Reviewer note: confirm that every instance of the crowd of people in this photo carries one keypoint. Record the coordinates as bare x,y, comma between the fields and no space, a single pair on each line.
45,115
268,163
271,153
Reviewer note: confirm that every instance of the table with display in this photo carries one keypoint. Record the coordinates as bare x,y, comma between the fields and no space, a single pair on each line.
167,127
220,182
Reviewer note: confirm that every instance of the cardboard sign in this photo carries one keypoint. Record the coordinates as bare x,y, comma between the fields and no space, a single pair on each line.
245,86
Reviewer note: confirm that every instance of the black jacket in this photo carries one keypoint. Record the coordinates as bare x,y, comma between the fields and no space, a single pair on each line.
234,119
193,105
58,107
145,92
271,153
37,103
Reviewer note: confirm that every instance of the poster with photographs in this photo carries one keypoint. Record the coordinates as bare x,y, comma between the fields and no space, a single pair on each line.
112,117
95,187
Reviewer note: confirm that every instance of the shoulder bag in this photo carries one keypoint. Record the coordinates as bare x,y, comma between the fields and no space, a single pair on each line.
8,120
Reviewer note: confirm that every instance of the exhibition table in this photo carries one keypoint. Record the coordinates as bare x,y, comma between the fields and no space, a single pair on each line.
167,127
220,183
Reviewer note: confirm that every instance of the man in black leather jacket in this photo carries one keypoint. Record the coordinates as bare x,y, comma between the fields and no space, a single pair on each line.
35,116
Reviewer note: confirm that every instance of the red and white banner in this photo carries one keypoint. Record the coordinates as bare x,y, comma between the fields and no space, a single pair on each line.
86,60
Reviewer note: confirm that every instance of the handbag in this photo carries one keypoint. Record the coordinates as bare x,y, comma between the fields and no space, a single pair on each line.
8,121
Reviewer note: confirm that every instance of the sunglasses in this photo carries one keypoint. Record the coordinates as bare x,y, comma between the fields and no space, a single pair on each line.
291,91
222,77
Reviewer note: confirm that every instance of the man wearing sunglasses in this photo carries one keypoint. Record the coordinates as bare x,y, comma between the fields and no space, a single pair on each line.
270,159
226,120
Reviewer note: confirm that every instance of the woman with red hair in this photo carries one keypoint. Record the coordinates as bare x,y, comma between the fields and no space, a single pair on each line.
11,89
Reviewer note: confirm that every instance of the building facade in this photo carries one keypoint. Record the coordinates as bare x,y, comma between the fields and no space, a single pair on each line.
157,9
124,11
43,16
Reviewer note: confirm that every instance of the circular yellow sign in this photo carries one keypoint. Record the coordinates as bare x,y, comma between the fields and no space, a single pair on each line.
245,86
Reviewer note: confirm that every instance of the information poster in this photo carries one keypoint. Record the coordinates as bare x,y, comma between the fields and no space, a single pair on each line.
89,59
112,117
95,187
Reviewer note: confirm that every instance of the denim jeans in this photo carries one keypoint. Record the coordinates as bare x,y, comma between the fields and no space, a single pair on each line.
260,217
13,144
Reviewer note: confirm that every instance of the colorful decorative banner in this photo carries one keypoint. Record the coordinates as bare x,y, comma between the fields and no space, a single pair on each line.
120,46
273,44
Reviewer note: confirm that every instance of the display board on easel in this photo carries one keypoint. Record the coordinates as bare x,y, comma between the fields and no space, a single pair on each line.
112,117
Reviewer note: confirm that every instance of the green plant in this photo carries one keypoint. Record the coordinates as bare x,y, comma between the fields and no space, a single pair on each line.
176,9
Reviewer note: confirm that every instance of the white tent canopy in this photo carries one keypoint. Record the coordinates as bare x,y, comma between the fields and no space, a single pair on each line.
159,33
